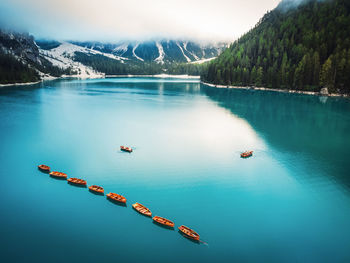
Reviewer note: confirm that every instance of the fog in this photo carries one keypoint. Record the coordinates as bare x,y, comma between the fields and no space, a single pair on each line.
113,20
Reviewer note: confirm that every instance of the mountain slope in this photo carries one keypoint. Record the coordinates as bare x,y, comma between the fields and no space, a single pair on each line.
20,60
63,55
91,59
163,51
300,47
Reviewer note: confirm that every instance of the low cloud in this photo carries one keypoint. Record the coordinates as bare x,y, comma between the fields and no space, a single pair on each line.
114,20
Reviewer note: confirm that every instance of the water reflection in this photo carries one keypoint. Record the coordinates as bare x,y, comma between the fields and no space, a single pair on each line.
189,239
163,226
310,127
96,193
116,202
186,166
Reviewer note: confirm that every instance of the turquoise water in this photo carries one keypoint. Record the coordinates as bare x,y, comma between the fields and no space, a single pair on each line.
290,202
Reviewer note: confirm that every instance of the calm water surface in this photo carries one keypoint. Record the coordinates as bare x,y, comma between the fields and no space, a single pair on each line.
290,202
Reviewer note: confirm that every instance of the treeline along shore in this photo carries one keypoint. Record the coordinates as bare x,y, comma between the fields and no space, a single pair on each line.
301,47
323,92
304,47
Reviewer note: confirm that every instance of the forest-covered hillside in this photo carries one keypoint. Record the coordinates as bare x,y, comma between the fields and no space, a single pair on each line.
14,71
301,47
20,60
111,66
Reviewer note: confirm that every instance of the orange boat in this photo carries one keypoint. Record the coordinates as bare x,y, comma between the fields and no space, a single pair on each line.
163,221
58,175
97,189
142,209
116,197
76,181
44,168
246,154
188,232
125,149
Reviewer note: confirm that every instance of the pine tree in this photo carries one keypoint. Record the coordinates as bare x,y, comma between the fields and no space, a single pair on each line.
253,76
293,49
299,73
283,71
259,77
316,71
326,76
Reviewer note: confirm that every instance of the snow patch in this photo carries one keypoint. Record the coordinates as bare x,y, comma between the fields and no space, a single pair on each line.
133,52
160,58
121,48
194,55
62,56
201,61
183,53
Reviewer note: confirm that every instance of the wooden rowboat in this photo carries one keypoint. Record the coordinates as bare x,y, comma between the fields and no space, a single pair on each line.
97,189
44,168
189,233
246,154
163,221
77,181
142,209
58,175
116,197
126,149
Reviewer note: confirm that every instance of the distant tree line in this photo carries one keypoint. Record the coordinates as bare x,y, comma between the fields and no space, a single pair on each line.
303,48
116,67
185,68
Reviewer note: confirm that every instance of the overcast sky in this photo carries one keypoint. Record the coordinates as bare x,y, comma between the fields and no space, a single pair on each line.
112,20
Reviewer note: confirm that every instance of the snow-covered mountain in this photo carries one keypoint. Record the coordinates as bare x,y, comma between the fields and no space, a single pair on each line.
22,46
94,59
163,51
62,55
43,59
21,60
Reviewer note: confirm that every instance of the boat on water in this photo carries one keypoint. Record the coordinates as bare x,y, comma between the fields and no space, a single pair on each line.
77,181
97,189
126,149
116,197
163,221
189,233
58,175
142,209
44,168
246,154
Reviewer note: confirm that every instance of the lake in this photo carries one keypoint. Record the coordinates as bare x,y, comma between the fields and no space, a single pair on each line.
289,202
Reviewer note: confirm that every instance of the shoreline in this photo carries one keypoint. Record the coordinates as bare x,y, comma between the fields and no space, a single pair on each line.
184,76
20,84
313,93
102,77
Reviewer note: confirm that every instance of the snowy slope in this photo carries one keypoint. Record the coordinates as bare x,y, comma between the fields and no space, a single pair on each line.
201,61
136,56
160,58
183,53
70,55
63,57
47,59
161,51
